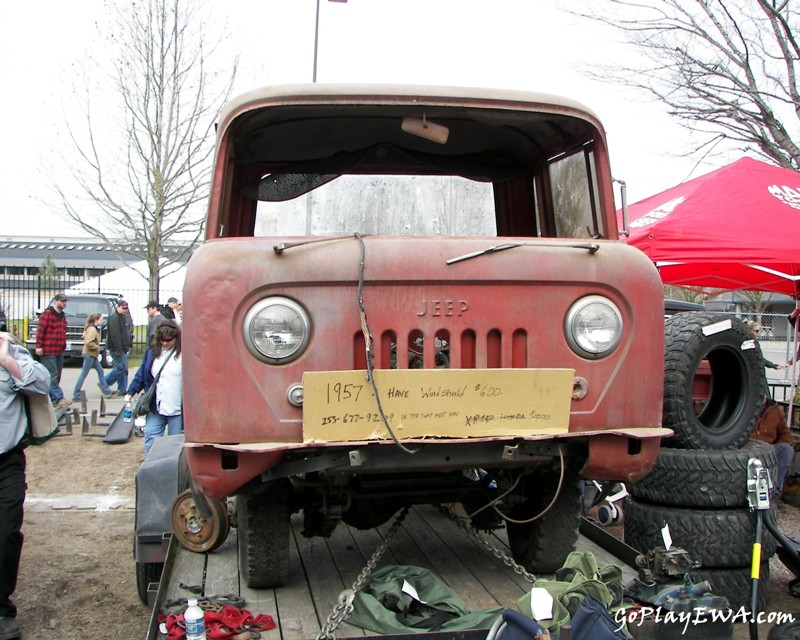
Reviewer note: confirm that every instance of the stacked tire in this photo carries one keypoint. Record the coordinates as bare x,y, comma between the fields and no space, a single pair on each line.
713,382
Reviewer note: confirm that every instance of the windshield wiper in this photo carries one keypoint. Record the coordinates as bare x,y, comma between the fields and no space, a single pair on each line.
283,246
591,247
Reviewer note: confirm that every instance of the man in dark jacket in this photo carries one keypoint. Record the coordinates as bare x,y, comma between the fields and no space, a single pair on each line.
773,429
51,342
118,343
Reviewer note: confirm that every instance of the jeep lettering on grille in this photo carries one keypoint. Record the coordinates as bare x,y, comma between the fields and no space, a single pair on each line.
443,307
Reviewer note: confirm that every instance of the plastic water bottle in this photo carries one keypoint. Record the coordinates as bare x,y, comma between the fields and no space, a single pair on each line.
195,621
127,416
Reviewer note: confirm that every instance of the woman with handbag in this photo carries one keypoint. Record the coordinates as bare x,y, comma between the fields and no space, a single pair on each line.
161,371
91,355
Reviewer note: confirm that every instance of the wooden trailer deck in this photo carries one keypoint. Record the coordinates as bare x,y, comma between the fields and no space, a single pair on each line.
320,569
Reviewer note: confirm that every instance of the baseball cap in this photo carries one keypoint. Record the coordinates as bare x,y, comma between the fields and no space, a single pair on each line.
172,299
122,303
152,303
62,297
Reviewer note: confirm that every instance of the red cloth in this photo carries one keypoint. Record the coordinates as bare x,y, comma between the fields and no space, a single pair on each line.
220,625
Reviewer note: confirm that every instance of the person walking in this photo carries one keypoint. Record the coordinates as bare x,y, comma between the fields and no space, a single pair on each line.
755,327
156,318
20,375
166,407
118,343
129,322
91,355
51,342
173,310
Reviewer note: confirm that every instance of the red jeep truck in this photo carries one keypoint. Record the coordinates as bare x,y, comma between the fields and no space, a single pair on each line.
411,295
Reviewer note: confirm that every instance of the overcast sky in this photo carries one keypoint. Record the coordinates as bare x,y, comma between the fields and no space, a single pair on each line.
518,44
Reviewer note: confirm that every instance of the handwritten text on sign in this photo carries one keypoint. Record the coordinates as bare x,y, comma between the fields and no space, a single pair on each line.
340,405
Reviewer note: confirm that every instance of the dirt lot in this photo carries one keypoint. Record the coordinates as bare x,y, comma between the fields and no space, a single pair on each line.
77,579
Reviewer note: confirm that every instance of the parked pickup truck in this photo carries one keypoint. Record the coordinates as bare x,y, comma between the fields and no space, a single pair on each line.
416,295
79,307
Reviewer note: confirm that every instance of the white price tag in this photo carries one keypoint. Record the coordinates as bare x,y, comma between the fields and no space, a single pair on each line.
666,537
717,327
541,604
409,590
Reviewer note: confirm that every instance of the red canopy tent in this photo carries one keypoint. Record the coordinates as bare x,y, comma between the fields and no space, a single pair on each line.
735,228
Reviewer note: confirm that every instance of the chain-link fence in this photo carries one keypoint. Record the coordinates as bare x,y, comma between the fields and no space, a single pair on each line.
775,336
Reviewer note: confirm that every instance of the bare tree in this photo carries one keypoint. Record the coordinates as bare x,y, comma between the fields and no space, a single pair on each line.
756,301
142,170
725,69
674,292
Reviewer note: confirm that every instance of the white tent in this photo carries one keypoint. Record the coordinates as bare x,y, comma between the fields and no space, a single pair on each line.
130,283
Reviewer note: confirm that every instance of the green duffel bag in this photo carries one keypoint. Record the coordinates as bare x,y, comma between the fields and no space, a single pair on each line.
578,577
386,605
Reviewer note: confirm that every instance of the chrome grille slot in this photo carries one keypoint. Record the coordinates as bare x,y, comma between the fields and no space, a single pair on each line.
468,350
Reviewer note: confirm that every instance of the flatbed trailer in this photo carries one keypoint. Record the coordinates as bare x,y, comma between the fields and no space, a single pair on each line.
321,569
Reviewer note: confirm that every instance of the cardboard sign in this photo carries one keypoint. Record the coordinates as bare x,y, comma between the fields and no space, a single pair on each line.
448,403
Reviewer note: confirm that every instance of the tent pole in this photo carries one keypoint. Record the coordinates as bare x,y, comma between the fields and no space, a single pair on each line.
793,360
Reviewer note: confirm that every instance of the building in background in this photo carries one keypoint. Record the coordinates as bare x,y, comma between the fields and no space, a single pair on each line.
33,268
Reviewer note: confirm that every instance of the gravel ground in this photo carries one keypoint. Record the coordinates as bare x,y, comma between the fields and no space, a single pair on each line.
77,576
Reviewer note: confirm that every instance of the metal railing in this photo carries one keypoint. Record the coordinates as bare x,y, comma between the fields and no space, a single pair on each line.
23,296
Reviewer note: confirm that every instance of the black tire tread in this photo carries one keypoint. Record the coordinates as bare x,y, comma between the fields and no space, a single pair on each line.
711,479
734,583
543,545
264,528
147,572
715,538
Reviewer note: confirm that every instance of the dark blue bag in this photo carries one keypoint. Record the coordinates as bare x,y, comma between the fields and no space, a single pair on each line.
511,625
592,621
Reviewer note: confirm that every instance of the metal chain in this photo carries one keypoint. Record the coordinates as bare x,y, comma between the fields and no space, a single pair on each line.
344,604
498,553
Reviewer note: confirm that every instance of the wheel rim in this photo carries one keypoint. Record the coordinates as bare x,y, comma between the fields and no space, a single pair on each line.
192,530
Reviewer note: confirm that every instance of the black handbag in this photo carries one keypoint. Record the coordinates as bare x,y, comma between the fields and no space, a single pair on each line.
142,406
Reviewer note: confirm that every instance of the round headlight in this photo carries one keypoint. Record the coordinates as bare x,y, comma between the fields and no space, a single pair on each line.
593,327
276,330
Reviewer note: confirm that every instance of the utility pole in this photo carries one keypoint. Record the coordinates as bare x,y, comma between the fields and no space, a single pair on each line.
316,38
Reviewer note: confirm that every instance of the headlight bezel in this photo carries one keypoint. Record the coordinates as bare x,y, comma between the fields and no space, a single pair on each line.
576,318
273,352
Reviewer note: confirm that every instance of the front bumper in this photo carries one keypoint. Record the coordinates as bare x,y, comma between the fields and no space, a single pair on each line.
625,455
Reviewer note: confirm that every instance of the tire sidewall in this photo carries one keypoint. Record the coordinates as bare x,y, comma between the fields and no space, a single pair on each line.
690,338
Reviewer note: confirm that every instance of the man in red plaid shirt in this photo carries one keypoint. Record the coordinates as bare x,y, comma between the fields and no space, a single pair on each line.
51,342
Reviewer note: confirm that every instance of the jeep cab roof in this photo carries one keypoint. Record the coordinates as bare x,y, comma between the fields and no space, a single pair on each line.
295,138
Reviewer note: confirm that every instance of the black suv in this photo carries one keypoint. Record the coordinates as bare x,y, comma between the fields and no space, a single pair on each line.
79,307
